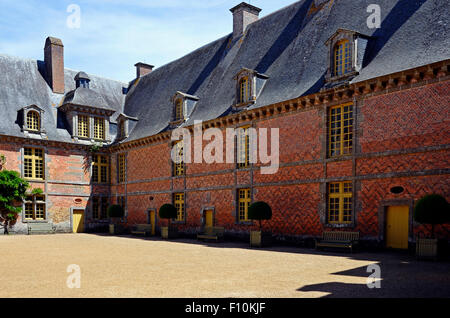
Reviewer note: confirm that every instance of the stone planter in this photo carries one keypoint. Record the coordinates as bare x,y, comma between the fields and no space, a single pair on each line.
116,229
168,233
260,239
426,248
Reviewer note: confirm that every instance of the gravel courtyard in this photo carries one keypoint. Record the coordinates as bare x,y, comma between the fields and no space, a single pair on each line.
36,266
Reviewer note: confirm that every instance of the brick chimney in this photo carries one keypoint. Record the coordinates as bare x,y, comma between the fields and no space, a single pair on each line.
54,64
243,15
143,69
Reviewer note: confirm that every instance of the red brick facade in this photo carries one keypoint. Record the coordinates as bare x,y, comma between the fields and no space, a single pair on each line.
401,138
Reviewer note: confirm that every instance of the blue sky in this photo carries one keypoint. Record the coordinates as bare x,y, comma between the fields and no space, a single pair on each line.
115,34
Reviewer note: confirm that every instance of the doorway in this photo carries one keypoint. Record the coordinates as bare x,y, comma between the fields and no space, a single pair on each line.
208,216
152,221
78,221
397,227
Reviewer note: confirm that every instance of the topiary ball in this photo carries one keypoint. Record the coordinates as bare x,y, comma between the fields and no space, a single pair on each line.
432,209
168,211
116,211
260,211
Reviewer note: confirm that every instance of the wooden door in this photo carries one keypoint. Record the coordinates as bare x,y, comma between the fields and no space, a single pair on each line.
78,221
153,221
209,218
397,227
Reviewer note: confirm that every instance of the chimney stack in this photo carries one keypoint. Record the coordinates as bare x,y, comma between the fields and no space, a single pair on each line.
243,15
143,69
54,64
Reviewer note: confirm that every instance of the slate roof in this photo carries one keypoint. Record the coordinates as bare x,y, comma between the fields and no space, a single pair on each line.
288,46
22,84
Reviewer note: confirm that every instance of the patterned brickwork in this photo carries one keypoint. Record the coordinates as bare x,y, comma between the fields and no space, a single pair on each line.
406,119
404,163
373,192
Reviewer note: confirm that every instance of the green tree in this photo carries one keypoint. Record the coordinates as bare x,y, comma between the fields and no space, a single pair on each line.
168,211
432,209
12,192
260,211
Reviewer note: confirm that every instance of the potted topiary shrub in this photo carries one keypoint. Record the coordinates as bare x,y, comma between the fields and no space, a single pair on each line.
115,213
432,209
260,211
168,212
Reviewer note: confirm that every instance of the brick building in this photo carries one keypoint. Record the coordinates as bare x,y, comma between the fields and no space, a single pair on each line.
363,118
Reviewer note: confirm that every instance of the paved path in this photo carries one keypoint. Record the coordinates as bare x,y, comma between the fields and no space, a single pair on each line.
35,266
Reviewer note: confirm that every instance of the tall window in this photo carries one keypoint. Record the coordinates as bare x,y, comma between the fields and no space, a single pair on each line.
340,202
178,165
100,208
33,122
178,199
33,165
179,109
340,130
122,129
35,207
244,90
244,200
100,169
83,126
243,153
99,128
342,58
121,162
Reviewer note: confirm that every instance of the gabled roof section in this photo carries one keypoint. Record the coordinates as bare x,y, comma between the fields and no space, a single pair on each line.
22,83
288,46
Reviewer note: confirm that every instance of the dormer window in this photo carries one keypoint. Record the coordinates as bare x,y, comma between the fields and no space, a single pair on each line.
342,58
99,128
179,113
183,106
346,53
82,80
31,119
249,85
125,124
83,126
245,90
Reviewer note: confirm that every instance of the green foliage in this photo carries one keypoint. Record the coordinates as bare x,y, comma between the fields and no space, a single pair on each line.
168,211
36,191
12,190
116,211
260,211
432,209
95,147
2,160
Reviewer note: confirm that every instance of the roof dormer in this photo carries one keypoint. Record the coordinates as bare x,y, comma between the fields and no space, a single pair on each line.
82,80
31,120
346,49
249,84
183,106
125,125
87,112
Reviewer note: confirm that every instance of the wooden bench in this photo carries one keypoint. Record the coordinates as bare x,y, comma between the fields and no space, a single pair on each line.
338,239
40,228
212,233
142,229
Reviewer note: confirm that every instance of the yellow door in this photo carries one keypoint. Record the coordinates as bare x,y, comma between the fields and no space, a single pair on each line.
209,219
397,227
153,221
78,221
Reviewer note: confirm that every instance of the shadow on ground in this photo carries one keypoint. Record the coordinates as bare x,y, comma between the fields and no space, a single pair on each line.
402,276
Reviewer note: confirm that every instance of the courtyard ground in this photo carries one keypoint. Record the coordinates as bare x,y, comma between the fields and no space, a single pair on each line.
111,266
